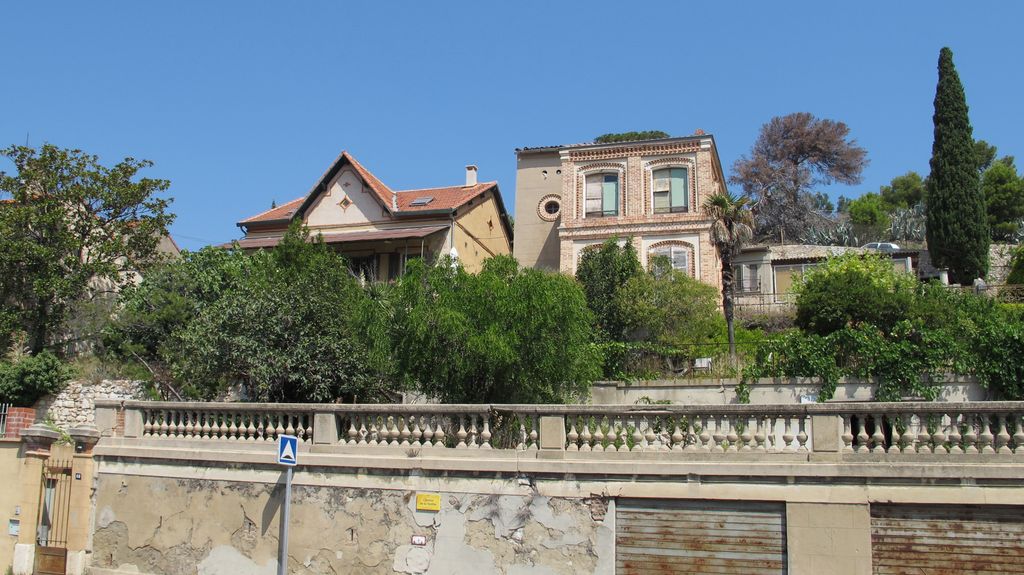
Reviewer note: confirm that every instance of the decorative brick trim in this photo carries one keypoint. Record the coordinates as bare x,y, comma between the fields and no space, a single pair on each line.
690,251
648,177
634,150
543,214
581,179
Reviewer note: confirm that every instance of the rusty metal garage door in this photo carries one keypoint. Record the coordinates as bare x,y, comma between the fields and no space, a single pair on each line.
672,536
947,539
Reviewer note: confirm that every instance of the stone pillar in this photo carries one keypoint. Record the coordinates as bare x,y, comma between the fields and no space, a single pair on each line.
38,438
325,429
80,515
828,538
552,433
826,433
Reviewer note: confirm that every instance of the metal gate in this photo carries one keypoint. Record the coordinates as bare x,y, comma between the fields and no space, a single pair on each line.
54,512
672,536
947,539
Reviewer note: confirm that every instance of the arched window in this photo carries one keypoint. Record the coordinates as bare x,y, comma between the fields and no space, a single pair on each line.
602,195
673,254
671,190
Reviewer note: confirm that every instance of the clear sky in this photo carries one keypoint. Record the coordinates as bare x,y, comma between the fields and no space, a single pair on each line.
242,103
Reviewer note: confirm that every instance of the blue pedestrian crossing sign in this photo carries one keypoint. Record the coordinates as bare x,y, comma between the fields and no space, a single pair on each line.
287,449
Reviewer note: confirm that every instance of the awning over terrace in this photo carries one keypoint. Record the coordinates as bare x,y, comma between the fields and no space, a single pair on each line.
347,237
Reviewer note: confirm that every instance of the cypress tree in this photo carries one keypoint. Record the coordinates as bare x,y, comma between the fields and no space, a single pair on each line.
958,236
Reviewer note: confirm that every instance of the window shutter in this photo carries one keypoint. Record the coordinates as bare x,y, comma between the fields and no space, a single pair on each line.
662,181
661,201
680,195
594,183
611,194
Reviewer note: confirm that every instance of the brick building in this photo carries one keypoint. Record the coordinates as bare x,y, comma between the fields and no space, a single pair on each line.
571,198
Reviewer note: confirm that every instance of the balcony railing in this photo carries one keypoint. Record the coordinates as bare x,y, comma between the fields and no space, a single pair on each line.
962,430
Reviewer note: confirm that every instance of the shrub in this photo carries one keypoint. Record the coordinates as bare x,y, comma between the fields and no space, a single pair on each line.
25,380
850,289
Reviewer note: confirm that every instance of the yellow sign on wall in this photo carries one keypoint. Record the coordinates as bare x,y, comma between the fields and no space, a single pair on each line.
428,502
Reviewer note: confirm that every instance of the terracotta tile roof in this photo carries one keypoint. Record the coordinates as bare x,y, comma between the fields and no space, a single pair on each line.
444,198
282,212
448,197
340,238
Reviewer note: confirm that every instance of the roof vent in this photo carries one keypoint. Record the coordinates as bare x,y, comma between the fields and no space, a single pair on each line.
422,201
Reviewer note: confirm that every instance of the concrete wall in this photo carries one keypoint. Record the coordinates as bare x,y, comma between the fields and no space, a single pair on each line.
152,524
10,498
765,391
479,233
537,176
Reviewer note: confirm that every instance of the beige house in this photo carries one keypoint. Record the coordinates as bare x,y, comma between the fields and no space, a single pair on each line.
380,229
573,198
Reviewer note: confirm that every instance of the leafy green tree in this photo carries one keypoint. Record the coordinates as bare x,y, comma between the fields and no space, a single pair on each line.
904,191
287,329
669,308
732,226
630,136
504,335
958,235
172,294
984,155
602,271
852,289
1004,198
71,229
823,204
869,210
1016,276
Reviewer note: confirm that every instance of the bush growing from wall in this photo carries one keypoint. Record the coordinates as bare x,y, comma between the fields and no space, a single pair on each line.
27,378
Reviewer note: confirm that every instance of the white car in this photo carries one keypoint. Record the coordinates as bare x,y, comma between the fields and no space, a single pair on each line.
882,246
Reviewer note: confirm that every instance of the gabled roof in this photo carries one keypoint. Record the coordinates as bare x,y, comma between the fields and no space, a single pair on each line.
444,198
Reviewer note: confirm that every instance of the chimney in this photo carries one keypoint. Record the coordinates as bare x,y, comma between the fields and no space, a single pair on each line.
470,175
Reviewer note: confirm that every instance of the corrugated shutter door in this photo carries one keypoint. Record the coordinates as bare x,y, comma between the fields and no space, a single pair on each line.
946,539
672,536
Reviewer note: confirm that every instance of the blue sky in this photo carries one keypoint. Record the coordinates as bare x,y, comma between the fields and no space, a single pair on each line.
242,103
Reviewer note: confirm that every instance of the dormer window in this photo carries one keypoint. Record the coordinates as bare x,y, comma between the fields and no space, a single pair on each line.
602,195
671,191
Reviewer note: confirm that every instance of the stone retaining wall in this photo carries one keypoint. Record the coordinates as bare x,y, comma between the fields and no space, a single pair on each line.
74,405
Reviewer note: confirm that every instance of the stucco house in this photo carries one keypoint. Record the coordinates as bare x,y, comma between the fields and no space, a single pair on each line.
572,198
765,274
380,229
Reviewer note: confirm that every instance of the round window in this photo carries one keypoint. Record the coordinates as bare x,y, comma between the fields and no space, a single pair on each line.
552,207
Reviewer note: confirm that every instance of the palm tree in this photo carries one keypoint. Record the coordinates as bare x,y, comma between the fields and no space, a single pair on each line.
733,227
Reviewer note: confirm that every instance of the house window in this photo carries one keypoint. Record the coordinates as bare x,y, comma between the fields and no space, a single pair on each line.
677,256
746,278
602,195
671,191
785,277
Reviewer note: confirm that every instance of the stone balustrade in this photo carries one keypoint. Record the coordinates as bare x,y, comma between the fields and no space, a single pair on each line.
848,429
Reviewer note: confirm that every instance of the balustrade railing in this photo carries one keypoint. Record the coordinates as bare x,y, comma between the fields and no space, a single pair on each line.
228,422
850,429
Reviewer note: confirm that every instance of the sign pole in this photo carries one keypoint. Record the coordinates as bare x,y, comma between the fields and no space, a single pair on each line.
287,455
282,559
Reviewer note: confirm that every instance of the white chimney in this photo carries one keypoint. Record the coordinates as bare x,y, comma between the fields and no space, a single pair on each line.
470,175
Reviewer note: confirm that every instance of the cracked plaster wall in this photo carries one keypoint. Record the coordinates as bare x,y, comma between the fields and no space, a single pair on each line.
187,526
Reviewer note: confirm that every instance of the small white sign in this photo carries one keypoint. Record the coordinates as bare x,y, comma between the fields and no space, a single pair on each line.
13,527
287,449
419,540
